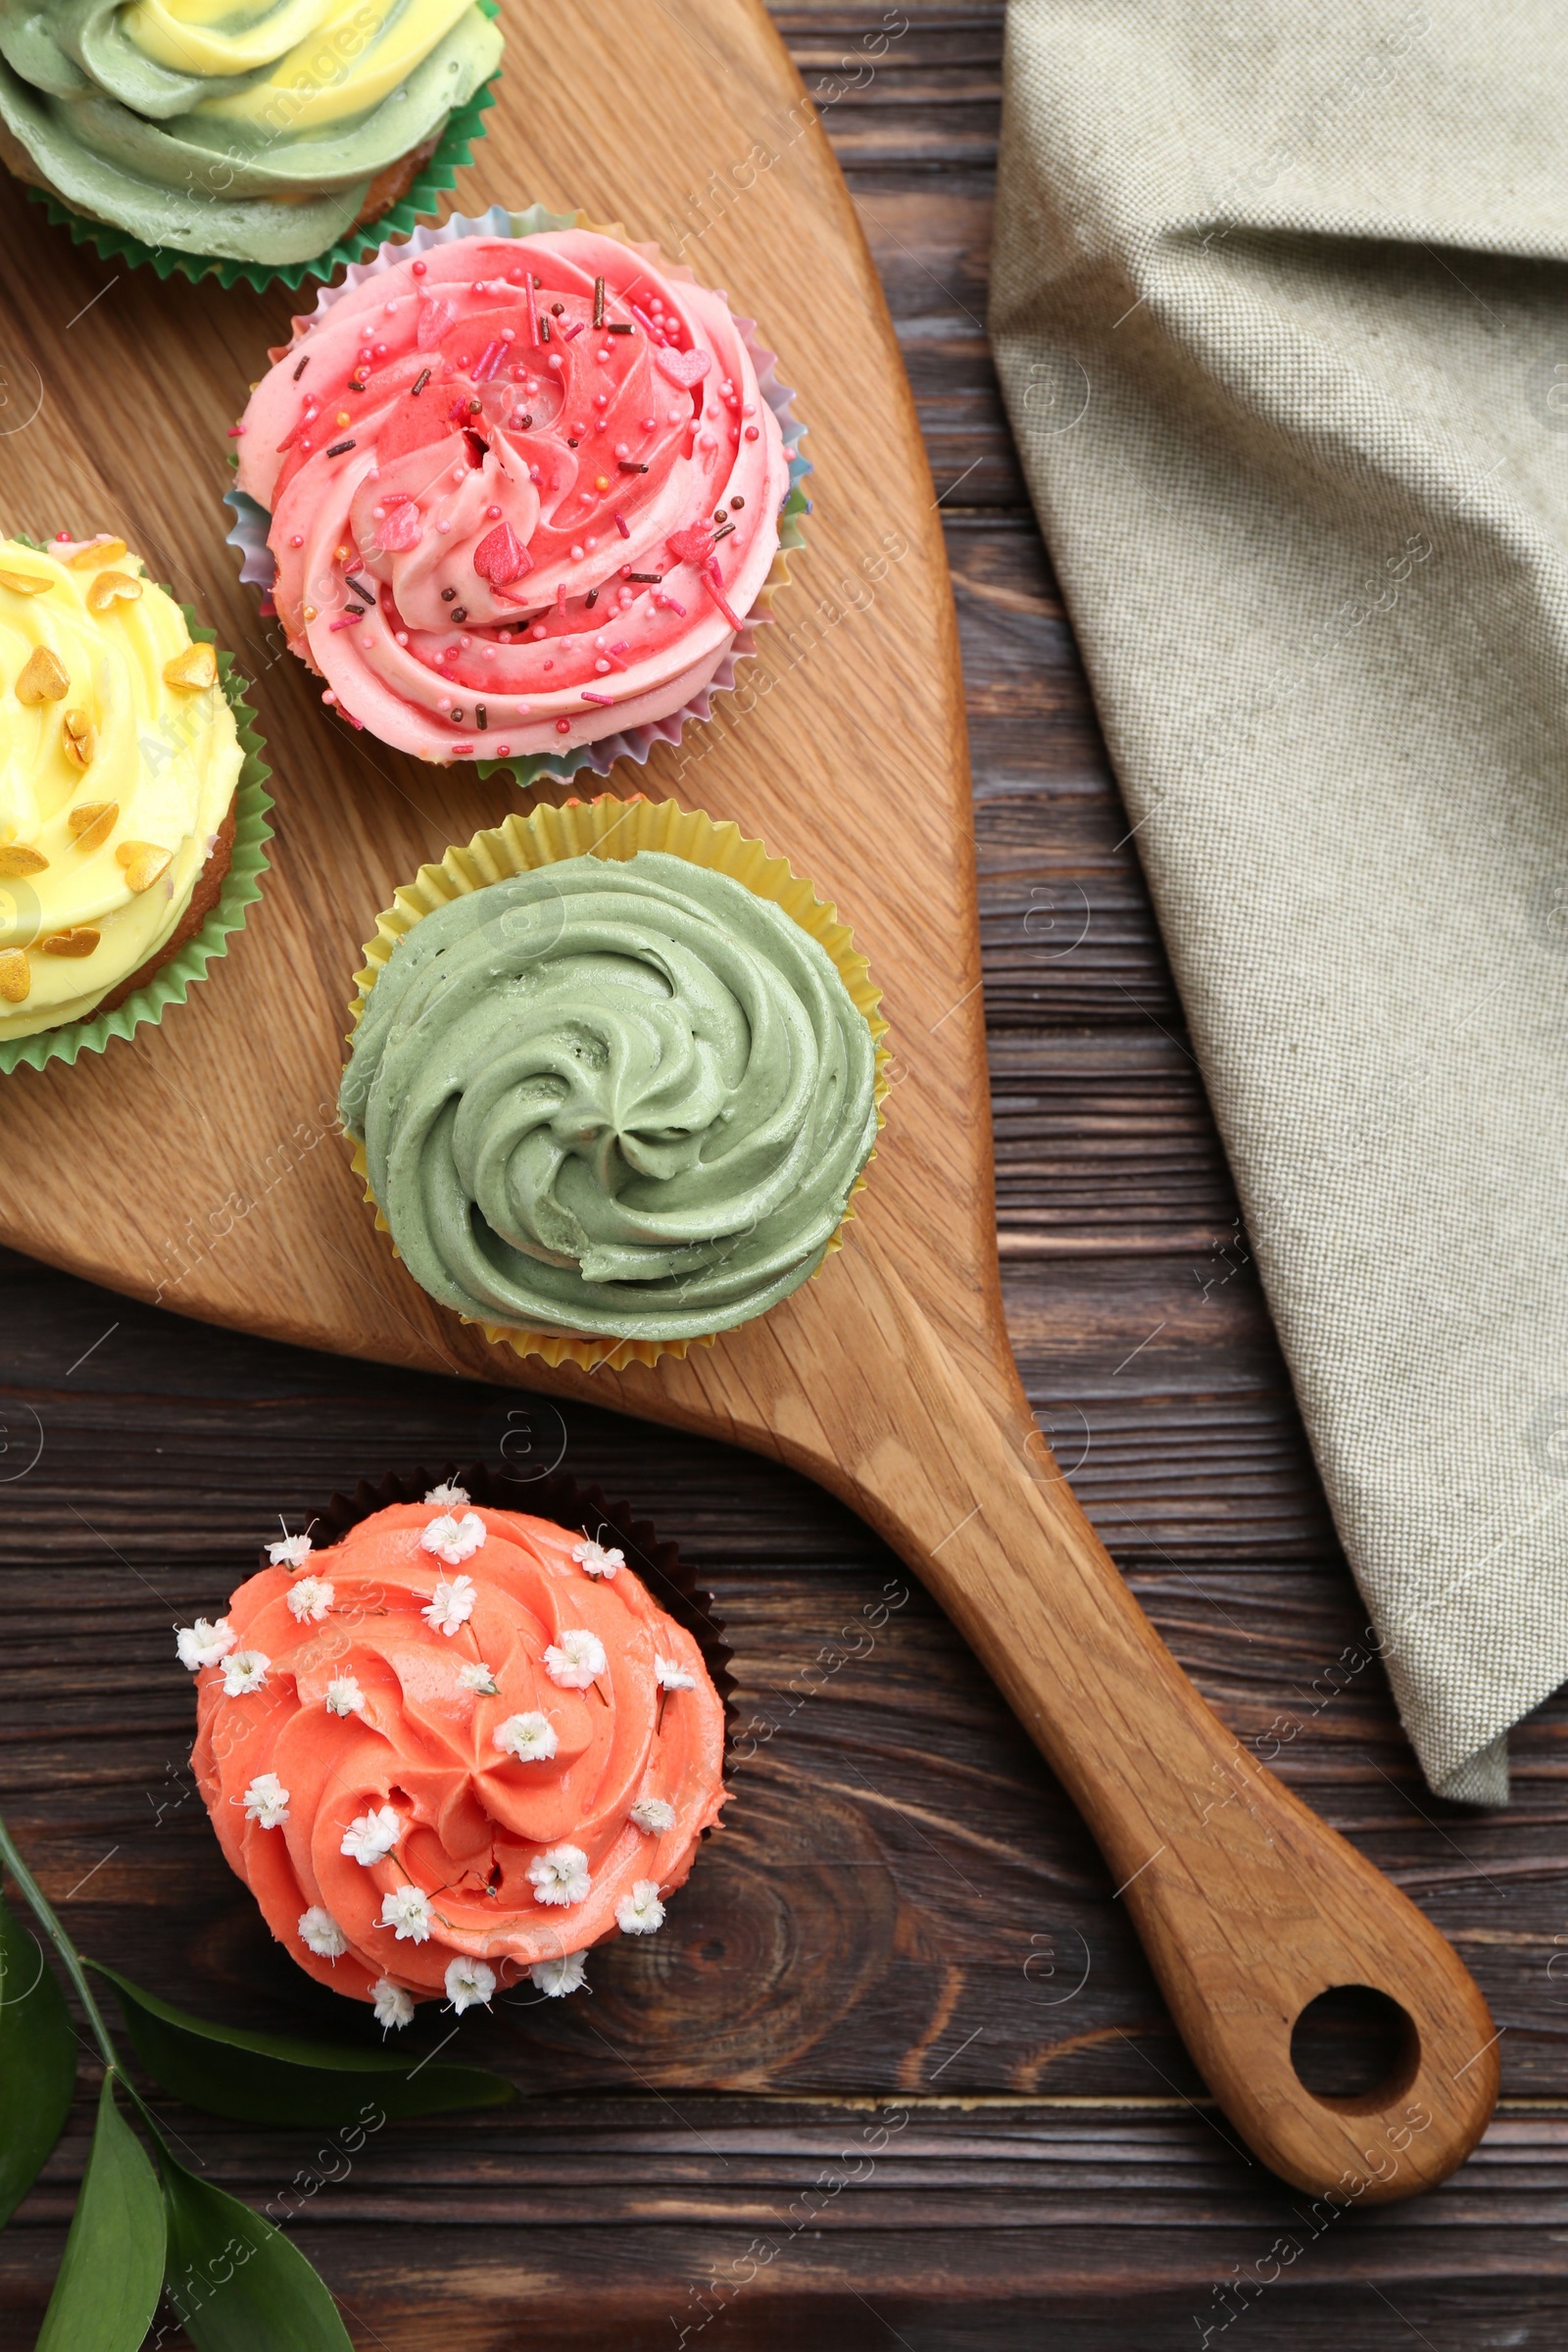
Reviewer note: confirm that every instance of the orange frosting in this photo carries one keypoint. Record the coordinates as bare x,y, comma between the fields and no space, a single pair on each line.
419,1738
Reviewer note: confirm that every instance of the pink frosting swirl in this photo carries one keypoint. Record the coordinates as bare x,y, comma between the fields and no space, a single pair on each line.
418,1748
501,529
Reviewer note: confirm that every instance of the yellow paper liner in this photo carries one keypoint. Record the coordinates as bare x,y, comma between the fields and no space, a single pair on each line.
617,829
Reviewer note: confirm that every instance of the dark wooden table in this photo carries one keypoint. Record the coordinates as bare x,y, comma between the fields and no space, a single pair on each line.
896,2073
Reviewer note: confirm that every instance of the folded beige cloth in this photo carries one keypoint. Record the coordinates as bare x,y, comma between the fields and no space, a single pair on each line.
1281,308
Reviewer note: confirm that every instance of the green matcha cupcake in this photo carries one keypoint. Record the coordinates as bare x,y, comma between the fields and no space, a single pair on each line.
613,1078
272,142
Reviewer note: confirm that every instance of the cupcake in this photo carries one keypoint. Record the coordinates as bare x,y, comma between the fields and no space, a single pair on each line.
620,1096
520,494
117,806
260,138
459,1742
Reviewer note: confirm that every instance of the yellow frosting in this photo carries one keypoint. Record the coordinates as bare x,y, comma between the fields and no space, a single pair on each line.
89,724
334,59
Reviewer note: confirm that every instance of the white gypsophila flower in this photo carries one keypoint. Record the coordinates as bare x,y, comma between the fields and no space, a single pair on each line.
560,1876
477,1676
576,1659
557,1977
469,1985
266,1801
655,1814
291,1552
448,1497
407,1910
393,2007
641,1913
372,1836
202,1643
344,1695
310,1597
453,1539
450,1605
320,1934
531,1738
244,1670
595,1560
671,1677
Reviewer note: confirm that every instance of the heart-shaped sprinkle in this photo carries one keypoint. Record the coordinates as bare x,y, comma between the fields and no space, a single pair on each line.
501,557
111,588
693,544
80,940
402,529
683,367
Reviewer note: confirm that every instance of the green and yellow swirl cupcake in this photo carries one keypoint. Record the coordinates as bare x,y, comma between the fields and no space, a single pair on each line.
120,758
252,141
614,1080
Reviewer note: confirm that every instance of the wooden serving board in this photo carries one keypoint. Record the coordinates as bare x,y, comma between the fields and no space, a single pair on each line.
197,1165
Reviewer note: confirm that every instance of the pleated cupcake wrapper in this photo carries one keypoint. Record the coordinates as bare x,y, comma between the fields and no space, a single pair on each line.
434,176
174,980
674,1585
259,567
617,829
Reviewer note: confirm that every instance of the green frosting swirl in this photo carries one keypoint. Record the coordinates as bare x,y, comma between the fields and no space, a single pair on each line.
250,136
620,1100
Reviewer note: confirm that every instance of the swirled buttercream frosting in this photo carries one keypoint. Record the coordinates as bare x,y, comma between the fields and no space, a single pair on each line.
119,761
523,493
261,133
457,1738
621,1099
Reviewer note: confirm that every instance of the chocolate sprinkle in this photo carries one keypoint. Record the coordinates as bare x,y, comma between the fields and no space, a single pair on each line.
481,716
651,579
460,612
630,465
338,447
300,369
618,330
598,302
447,594
591,599
420,386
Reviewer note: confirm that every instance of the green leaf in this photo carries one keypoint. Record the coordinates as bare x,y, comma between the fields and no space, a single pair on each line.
274,2078
236,2282
37,2060
107,2290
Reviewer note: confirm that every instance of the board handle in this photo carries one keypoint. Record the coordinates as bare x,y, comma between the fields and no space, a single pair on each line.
1248,1906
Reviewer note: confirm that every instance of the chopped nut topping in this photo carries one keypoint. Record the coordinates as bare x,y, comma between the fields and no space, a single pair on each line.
97,551
80,738
44,679
111,588
143,862
26,583
195,670
81,941
15,861
16,976
93,822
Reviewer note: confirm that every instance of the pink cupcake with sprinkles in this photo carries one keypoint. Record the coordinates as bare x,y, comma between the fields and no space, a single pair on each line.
519,492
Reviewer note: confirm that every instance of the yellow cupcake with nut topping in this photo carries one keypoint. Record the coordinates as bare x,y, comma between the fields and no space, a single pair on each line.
119,763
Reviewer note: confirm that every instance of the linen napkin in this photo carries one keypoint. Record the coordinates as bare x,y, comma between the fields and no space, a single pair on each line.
1280,303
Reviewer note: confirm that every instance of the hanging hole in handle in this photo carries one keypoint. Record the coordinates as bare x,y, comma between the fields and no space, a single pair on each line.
1356,2049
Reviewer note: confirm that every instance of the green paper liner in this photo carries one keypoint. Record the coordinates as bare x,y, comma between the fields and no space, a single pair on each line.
432,183
174,981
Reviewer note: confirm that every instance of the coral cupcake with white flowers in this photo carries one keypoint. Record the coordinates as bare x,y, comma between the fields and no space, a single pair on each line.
521,494
458,1746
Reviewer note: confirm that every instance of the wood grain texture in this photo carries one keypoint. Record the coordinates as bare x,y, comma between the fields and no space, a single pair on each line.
1121,2213
889,1379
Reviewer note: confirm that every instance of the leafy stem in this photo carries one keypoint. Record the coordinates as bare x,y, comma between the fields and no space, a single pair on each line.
70,1960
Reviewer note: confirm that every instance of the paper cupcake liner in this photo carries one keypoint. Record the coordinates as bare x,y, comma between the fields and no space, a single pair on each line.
258,565
430,183
557,1498
174,981
617,829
